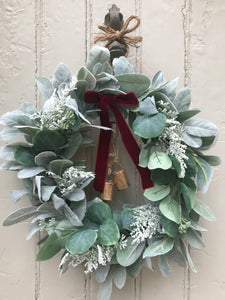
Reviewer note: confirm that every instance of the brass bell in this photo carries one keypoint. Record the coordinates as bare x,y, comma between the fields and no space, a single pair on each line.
121,179
108,190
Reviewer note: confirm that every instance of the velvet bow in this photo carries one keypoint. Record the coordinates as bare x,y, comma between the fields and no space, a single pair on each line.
104,102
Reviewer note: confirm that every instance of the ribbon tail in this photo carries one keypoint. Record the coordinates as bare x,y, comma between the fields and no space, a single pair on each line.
132,148
102,152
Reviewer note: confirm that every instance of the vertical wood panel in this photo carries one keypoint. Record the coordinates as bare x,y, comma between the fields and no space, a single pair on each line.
163,49
17,268
208,90
181,37
133,194
61,39
163,43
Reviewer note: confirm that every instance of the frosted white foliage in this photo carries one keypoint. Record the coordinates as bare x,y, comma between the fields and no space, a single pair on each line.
97,255
72,178
147,223
171,139
56,115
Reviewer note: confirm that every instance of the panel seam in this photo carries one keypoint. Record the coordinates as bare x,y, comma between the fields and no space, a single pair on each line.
38,32
138,65
38,28
88,25
186,12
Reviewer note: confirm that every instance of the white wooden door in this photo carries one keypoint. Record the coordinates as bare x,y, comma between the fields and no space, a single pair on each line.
184,38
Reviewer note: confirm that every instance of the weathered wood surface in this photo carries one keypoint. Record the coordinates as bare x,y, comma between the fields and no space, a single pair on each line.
184,38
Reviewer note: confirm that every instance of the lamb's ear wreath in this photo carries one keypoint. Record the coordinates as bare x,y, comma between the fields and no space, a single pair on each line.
171,163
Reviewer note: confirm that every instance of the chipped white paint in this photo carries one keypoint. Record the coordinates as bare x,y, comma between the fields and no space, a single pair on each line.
184,38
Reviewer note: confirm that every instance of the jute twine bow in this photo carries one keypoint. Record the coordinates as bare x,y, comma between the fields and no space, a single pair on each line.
112,35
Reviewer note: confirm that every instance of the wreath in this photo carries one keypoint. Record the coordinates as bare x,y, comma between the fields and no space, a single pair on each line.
171,163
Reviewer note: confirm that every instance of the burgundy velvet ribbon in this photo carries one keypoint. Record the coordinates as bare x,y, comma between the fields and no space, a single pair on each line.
104,102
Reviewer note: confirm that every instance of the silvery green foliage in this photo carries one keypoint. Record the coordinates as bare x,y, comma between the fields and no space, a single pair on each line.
122,66
45,87
146,224
62,75
164,266
111,244
71,181
148,107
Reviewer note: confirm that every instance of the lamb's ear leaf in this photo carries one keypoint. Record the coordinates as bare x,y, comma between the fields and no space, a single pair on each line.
211,159
122,66
97,55
105,288
9,133
29,172
148,107
192,141
201,128
194,238
62,75
16,195
137,83
185,115
45,87
48,140
20,215
185,252
58,166
46,191
204,211
85,74
134,269
119,275
73,144
169,88
11,165
25,155
159,247
101,273
164,267
77,195
157,80
32,230
182,99
130,254
44,158
204,174
15,118
176,256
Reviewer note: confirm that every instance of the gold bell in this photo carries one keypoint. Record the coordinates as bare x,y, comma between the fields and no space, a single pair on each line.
121,179
108,190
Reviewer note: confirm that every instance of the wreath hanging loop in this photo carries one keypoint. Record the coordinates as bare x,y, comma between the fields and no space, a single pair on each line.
111,35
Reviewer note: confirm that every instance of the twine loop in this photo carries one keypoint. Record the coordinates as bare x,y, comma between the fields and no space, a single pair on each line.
112,35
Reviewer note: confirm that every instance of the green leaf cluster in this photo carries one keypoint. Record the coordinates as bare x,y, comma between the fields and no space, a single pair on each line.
99,227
